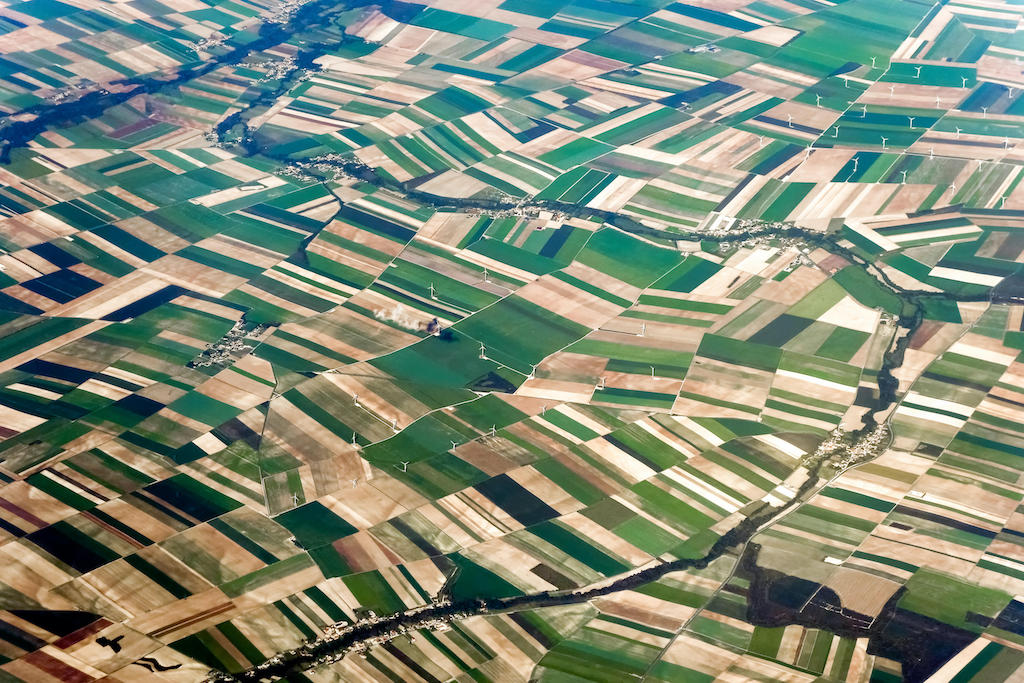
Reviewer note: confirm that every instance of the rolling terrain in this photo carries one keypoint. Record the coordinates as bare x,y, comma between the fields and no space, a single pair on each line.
511,341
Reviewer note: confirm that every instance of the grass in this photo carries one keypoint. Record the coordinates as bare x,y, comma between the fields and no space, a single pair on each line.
866,289
951,600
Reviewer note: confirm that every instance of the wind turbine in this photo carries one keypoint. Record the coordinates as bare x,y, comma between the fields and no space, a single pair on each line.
404,466
817,101
911,120
600,383
789,120
432,295
883,141
904,181
835,133
918,74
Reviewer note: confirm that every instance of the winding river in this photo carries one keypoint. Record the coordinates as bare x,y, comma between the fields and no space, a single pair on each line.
329,649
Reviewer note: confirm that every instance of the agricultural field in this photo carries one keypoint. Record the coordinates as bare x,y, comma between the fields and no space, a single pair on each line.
509,341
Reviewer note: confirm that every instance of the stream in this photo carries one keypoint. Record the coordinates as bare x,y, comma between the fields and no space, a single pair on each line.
328,649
